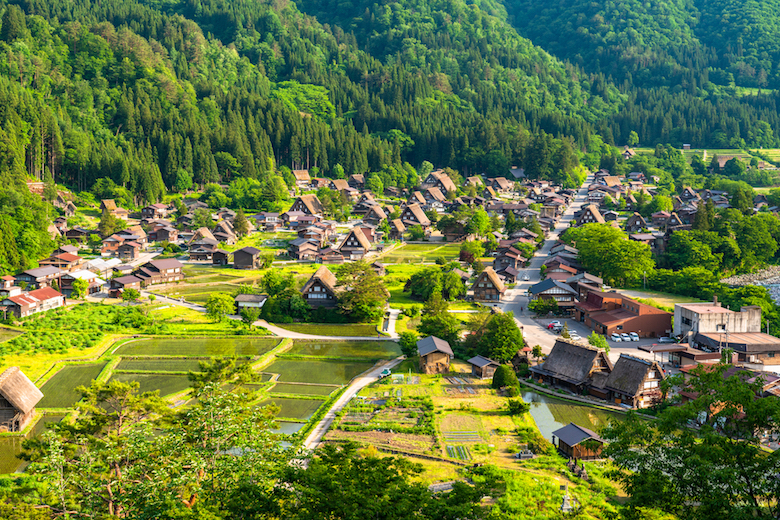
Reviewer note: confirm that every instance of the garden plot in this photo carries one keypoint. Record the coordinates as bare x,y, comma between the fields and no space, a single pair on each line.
459,452
461,436
318,372
347,349
238,346
166,383
398,441
413,415
301,409
60,390
301,389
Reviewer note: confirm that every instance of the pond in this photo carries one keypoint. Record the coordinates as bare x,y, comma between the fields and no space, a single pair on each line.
551,413
10,447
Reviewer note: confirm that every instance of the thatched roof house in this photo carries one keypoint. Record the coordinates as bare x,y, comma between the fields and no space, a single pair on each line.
320,289
18,397
635,381
572,366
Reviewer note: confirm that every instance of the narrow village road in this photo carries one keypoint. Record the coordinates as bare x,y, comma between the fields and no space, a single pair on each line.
319,431
517,299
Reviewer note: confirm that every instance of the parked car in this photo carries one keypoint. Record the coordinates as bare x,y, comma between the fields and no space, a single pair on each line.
554,324
526,278
615,337
665,339
625,337
575,337
634,336
557,329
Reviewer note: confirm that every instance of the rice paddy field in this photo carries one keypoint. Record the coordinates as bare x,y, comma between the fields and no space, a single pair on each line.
288,427
332,329
299,389
160,365
301,409
235,346
166,383
6,334
318,372
347,349
60,390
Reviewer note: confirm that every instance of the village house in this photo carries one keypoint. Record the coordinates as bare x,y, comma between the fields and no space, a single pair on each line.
509,258
635,223
78,234
483,367
574,367
435,355
302,178
247,258
18,397
320,290
355,245
357,181
123,283
64,261
303,249
474,181
584,283
221,257
439,179
628,152
39,277
551,289
330,255
160,271
375,215
590,214
307,204
155,211
249,301
414,215
32,302
128,250
488,287
203,250
610,312
109,206
95,284
397,229
577,442
164,234
635,382
501,184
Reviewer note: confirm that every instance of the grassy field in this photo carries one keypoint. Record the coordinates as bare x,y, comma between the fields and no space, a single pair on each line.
298,389
318,372
332,329
160,365
420,253
348,349
60,390
167,384
301,409
663,299
187,322
236,346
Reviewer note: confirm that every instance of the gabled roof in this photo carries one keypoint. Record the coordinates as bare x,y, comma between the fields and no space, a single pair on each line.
417,198
571,362
431,344
202,233
339,184
359,236
248,250
312,203
301,175
378,211
33,297
419,214
325,277
436,194
629,373
491,275
445,180
42,271
127,280
108,204
548,284
398,225
169,263
18,390
573,434
480,361
251,298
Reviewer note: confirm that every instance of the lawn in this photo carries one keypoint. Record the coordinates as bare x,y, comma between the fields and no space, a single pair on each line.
199,293
180,321
332,329
60,390
299,389
348,349
420,253
318,372
160,365
662,299
236,346
301,409
167,384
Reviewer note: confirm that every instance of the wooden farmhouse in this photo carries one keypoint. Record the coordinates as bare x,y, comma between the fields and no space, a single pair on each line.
435,355
590,214
577,442
355,245
488,287
575,367
635,382
247,258
18,397
320,290
413,215
249,301
307,204
397,229
109,206
440,180
221,257
482,367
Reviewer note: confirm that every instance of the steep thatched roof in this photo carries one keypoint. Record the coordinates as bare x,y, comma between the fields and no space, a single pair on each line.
312,203
202,233
629,374
359,236
491,276
18,390
398,225
325,277
572,363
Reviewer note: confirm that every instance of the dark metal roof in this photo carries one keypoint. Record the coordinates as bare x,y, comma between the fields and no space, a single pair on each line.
480,361
573,434
433,344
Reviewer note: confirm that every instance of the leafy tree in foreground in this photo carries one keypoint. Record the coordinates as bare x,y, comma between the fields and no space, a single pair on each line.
364,296
408,341
597,340
219,306
502,338
131,295
505,376
718,470
80,288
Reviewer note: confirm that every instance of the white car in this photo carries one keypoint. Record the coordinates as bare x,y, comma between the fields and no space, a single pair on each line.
526,277
634,336
574,336
615,337
625,337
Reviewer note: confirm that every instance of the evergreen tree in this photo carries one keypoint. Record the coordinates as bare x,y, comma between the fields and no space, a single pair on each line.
240,224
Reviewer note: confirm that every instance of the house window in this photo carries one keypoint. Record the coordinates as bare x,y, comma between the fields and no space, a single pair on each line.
720,327
619,327
770,354
686,321
651,384
651,375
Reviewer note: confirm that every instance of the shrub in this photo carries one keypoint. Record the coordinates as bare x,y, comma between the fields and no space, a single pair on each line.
505,376
518,407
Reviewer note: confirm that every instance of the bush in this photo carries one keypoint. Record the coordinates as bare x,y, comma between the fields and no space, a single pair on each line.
505,376
518,407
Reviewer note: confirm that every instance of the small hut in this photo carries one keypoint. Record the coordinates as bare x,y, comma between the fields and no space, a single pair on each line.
577,442
482,367
18,397
435,355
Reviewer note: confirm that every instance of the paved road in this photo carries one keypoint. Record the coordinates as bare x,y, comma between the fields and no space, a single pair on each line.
319,431
535,332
